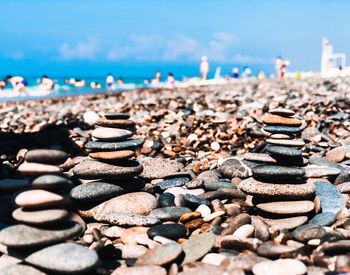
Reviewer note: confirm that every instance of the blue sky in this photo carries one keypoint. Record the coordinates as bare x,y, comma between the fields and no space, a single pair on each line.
82,37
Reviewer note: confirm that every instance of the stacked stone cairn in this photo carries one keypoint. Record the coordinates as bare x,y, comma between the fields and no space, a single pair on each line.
281,194
34,237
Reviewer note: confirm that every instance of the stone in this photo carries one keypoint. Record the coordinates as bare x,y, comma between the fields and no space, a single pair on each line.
215,185
308,232
23,236
96,190
172,231
116,123
276,172
193,201
239,244
51,182
285,223
244,231
323,219
126,219
280,120
116,115
129,144
208,176
286,142
280,266
336,154
337,248
261,231
277,191
111,134
36,169
100,170
236,222
331,199
171,213
166,199
112,155
158,168
17,269
273,251
282,112
64,258
245,261
259,157
13,185
319,171
47,156
131,250
37,217
137,270
168,183
214,259
283,152
38,198
204,210
160,255
287,207
131,235
196,247
281,129
233,167
113,232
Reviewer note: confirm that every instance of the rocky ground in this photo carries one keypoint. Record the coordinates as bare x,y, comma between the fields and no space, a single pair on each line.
248,178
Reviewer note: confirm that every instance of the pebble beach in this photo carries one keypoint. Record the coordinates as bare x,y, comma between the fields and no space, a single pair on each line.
250,177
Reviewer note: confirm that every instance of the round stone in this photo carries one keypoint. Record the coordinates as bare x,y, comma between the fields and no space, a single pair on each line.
281,266
286,142
280,120
160,255
282,129
336,154
173,231
137,270
64,258
116,123
216,185
94,191
37,217
273,251
172,182
171,213
112,155
36,169
129,144
158,168
308,232
244,231
46,156
283,152
50,182
23,236
166,199
99,170
126,219
116,115
13,185
287,207
286,223
234,167
38,198
282,112
111,134
276,172
283,190
131,251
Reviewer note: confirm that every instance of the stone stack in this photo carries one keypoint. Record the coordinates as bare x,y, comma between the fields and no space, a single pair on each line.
42,217
281,195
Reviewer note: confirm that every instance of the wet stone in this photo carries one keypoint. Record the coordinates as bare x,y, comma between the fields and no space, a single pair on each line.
130,144
46,156
308,232
171,213
50,182
323,219
234,167
171,231
275,172
111,134
160,255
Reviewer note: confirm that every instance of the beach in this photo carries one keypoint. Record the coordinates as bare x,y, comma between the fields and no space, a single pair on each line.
245,177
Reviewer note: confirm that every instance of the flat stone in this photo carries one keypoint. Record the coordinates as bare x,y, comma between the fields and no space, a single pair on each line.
282,136
173,231
168,183
208,176
112,155
196,247
323,162
13,185
331,199
116,115
22,236
287,207
236,222
344,187
132,235
323,219
308,232
158,168
40,217
283,190
245,261
65,258
131,250
51,182
286,142
312,171
111,134
47,156
259,157
244,231
273,251
18,269
171,213
216,185
337,248
126,219
38,198
239,244
286,223
193,201
233,167
280,120
336,154
36,169
99,170
113,232
137,270
282,112
116,123
129,144
276,172
283,152
281,129
160,255
280,266
94,191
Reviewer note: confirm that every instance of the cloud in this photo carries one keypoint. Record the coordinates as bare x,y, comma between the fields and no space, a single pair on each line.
219,48
82,50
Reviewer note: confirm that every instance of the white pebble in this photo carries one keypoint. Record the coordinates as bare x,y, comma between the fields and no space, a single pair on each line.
204,210
245,231
213,258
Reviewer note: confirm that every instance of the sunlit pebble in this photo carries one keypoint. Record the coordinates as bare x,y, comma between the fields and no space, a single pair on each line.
215,146
192,137
165,134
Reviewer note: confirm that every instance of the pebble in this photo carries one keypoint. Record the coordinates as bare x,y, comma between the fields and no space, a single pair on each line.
323,219
274,251
111,134
36,169
204,210
168,183
46,156
280,120
159,168
50,182
286,142
215,185
234,167
287,207
283,152
17,269
132,251
137,270
171,231
197,246
244,231
171,213
319,171
38,198
65,258
129,144
281,129
13,185
336,155
279,267
282,112
331,199
259,157
112,155
39,217
285,223
113,232
126,219
308,232
275,172
160,255
115,123
337,248
116,115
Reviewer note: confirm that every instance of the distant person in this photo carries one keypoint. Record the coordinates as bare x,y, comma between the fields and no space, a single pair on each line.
18,82
235,73
95,85
120,81
204,68
281,66
79,83
3,84
156,80
47,83
170,83
110,83
261,75
247,72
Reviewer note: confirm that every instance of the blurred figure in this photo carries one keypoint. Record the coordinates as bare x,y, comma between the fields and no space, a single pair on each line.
79,83
281,66
247,72
235,72
120,81
204,67
46,83
170,80
18,82
3,84
260,75
156,80
95,85
110,83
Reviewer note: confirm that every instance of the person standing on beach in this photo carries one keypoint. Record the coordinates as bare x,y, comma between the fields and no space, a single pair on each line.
46,84
18,82
281,66
110,83
235,73
156,80
170,81
204,67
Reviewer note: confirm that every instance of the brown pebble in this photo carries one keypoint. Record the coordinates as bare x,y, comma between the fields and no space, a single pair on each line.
235,222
